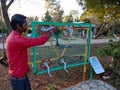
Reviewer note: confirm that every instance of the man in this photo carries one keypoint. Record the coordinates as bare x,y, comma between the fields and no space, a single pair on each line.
16,47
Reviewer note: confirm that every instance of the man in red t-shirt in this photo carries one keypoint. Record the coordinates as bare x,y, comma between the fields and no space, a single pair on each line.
16,47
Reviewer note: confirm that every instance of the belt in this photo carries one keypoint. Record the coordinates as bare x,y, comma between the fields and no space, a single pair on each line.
17,78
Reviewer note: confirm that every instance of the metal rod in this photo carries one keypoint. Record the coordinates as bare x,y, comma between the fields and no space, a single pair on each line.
61,67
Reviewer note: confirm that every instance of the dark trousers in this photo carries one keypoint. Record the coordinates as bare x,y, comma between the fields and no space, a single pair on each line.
20,83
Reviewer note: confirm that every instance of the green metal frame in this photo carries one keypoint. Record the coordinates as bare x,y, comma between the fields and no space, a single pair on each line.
88,25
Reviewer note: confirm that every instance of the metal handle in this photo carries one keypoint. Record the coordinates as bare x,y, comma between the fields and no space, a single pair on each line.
63,61
48,68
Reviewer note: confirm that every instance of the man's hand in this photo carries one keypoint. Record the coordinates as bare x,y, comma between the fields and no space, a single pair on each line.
54,30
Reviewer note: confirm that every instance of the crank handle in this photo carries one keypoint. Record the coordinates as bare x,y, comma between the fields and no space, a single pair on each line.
62,61
48,68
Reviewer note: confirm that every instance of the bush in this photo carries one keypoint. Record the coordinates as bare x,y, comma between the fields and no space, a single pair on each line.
111,49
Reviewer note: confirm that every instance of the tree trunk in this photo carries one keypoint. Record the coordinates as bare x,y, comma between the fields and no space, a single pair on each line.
6,18
5,14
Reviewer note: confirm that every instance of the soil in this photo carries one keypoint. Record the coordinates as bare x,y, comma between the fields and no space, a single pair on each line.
59,79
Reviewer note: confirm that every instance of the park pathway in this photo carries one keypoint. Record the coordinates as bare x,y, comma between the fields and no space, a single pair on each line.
93,41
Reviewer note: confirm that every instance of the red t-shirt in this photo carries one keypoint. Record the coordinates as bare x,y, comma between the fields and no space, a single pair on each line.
16,48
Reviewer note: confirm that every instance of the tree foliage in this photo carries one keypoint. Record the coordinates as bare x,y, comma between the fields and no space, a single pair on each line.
3,27
54,9
67,18
47,17
101,9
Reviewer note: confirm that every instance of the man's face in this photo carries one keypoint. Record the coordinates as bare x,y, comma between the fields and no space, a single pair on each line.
24,27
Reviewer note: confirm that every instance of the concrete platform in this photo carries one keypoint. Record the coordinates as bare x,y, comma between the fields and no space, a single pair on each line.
91,85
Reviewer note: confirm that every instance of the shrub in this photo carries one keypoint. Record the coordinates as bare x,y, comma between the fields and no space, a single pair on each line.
111,49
